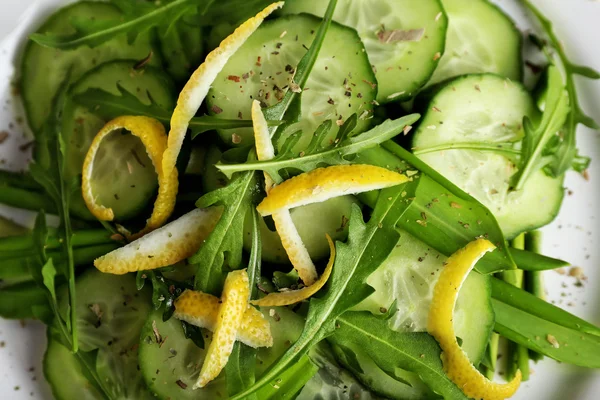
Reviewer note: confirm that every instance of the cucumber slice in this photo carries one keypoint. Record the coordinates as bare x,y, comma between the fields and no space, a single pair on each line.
481,38
313,222
111,312
487,110
122,168
171,367
408,277
263,69
43,70
402,66
65,375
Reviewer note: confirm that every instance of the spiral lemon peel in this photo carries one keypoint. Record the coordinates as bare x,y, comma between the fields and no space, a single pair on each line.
201,309
323,184
234,303
165,246
284,225
196,89
440,325
152,135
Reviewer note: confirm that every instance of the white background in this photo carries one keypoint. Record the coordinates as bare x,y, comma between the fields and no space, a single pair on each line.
574,235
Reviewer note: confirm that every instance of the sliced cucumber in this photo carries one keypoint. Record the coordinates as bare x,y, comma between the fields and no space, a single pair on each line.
123,173
313,222
487,110
43,70
340,84
402,66
171,364
65,375
481,38
111,312
408,277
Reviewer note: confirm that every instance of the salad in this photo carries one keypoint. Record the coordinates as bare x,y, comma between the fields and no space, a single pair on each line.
293,200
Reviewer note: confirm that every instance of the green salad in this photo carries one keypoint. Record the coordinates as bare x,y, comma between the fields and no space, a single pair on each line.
312,200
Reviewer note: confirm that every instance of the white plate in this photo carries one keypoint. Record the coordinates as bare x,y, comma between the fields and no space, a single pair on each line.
574,235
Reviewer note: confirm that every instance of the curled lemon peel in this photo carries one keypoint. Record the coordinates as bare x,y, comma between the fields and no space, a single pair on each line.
234,302
440,325
294,296
284,225
152,135
201,309
323,184
165,246
196,89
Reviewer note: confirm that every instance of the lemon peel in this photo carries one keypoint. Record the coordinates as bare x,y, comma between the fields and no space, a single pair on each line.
201,309
234,302
152,135
196,89
284,225
294,296
323,184
165,246
440,325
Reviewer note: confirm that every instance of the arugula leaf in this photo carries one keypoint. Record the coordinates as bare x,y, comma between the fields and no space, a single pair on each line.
499,148
531,261
415,352
367,247
290,382
48,171
331,155
565,151
227,236
527,302
137,20
108,106
441,215
564,344
556,110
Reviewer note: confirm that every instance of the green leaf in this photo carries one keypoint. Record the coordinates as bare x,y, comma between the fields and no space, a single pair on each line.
556,110
109,106
527,302
564,344
226,239
94,33
415,352
566,150
441,214
499,148
530,261
193,333
227,236
49,275
254,265
367,247
240,369
333,155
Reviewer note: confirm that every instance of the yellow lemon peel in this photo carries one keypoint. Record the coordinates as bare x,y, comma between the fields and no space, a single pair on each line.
234,302
440,325
196,89
294,296
323,184
201,309
284,225
152,134
165,246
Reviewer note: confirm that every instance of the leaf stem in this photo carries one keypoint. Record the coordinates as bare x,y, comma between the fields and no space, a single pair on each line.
494,148
26,199
534,282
